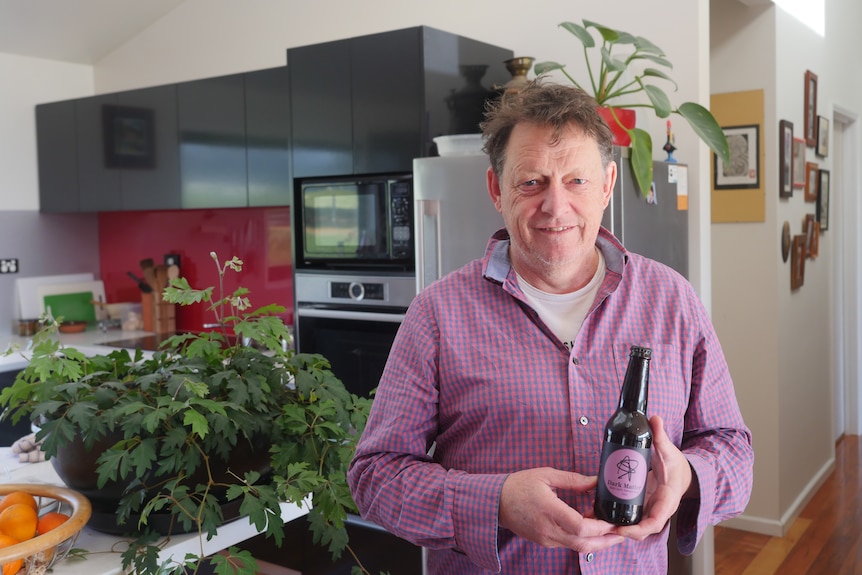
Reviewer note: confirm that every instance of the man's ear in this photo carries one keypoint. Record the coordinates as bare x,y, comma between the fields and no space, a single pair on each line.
494,189
610,182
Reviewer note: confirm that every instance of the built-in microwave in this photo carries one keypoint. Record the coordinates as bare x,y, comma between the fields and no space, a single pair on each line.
362,223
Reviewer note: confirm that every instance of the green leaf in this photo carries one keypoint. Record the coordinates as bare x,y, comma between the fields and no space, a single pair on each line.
608,34
659,100
580,33
641,159
197,422
706,127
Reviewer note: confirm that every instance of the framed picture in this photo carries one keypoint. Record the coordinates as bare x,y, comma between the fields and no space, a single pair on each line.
815,241
810,108
129,137
798,163
823,199
785,158
808,228
811,181
822,137
743,171
797,262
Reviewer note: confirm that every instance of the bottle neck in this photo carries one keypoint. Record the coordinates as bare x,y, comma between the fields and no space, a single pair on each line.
635,392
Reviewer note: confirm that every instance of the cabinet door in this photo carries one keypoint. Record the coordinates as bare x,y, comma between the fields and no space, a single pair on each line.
153,184
211,119
58,162
322,138
387,101
267,102
98,183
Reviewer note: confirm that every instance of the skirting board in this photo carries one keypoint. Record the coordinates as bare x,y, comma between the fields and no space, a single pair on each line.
779,528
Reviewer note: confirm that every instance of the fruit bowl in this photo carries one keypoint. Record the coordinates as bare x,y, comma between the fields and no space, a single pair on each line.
41,552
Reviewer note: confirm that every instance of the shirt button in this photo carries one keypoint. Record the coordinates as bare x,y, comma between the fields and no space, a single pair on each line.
590,557
584,420
575,361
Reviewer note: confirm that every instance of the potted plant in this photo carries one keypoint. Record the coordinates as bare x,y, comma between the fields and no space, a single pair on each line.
617,79
163,429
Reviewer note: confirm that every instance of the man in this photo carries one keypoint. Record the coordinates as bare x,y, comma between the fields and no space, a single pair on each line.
485,434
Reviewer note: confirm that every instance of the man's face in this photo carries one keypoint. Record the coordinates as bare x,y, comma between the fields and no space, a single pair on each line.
552,197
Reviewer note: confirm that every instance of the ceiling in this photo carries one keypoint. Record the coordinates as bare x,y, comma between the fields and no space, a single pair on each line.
80,31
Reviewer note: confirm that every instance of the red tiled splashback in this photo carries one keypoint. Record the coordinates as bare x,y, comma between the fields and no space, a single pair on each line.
260,237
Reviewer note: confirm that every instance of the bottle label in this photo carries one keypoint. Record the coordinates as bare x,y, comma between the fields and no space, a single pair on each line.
623,475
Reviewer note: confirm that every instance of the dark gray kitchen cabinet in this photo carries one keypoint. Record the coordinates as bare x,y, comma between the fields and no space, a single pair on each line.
371,104
267,115
57,157
211,121
98,185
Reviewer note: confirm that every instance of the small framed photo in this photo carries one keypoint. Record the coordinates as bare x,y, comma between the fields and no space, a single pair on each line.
811,181
743,171
808,228
823,199
810,108
797,262
129,137
822,136
798,163
785,158
815,242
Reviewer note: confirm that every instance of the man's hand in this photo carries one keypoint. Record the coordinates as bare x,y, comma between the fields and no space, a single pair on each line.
671,478
529,507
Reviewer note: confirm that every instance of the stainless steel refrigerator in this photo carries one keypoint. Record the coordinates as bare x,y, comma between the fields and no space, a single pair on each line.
454,215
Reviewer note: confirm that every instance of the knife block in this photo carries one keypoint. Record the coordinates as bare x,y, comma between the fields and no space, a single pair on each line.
158,316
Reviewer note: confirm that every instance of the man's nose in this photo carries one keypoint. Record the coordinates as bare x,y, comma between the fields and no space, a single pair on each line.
555,198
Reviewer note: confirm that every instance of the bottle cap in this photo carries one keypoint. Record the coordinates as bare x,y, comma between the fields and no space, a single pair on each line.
638,351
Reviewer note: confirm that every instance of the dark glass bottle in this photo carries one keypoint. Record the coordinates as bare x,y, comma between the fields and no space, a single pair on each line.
626,448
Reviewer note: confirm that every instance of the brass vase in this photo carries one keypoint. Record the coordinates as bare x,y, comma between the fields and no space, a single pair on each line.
518,67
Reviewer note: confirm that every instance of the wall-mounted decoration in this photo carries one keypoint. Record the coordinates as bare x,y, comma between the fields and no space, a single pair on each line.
823,199
814,251
798,163
785,241
797,262
810,108
740,194
744,168
811,181
129,137
808,229
822,136
785,158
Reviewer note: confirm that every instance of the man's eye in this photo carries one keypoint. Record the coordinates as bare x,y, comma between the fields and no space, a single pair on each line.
579,181
529,184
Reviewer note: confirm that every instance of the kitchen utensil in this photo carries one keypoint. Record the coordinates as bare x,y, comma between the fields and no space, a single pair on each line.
29,302
72,306
145,287
173,272
79,296
161,272
150,278
73,326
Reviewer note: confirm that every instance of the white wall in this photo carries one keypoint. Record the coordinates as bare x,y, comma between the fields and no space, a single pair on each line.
25,82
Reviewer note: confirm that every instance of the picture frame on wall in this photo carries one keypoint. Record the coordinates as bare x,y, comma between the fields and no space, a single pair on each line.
743,171
810,108
808,228
811,181
785,158
129,137
823,199
822,149
797,262
798,163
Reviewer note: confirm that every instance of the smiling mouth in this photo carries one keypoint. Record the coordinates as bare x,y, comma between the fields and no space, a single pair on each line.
558,229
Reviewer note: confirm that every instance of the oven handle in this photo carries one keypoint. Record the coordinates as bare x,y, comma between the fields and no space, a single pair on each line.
344,314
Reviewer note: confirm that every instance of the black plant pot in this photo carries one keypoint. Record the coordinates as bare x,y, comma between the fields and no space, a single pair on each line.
76,466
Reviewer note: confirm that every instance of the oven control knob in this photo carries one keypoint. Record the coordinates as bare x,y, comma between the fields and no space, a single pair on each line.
356,290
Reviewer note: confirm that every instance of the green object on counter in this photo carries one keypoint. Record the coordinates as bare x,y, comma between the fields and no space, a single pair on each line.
72,306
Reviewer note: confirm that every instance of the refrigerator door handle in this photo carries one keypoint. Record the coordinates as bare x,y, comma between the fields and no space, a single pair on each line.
428,265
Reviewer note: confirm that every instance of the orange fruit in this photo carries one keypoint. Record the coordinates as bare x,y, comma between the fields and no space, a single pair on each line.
11,567
18,497
18,521
50,521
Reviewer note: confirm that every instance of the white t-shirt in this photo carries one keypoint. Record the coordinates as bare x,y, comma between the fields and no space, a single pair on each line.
565,313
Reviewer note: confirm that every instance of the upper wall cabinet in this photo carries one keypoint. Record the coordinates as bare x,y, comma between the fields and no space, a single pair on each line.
219,142
371,104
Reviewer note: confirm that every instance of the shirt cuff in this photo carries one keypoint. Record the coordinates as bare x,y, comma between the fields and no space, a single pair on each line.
476,514
694,513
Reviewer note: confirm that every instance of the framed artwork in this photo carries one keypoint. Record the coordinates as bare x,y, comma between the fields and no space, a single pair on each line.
815,241
129,137
810,108
808,228
811,181
798,163
743,171
822,137
785,158
823,199
797,262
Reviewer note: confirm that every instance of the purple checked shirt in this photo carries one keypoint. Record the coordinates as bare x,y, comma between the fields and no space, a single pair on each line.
474,372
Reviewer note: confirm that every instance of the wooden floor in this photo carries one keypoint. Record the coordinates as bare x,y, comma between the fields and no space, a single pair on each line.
826,539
